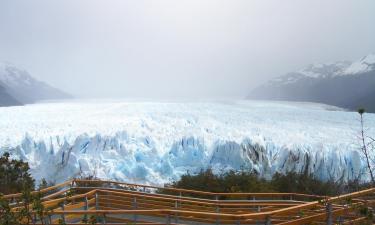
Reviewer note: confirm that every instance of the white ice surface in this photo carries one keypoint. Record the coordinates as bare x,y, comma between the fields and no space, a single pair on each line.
154,142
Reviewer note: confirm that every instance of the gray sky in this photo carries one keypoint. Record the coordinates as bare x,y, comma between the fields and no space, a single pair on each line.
172,48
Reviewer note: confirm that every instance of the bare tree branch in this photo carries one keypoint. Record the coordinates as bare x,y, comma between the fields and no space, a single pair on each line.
365,149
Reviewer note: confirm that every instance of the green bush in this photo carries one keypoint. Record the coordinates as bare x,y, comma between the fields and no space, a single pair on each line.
14,175
15,178
243,181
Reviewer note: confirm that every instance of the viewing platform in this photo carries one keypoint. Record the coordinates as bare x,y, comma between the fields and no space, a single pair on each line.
115,203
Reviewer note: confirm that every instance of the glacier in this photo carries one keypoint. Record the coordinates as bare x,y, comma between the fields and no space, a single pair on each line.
156,142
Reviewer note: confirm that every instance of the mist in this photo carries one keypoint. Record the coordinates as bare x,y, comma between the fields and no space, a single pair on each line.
178,49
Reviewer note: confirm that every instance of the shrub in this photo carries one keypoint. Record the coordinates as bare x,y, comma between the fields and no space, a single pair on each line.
244,181
14,175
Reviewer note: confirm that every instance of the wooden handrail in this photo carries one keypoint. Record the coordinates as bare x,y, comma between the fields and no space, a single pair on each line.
145,212
213,194
17,195
194,208
194,201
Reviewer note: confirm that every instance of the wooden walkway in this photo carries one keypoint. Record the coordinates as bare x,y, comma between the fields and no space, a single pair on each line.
115,203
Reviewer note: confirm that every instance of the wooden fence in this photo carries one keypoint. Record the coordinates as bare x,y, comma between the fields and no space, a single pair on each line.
111,202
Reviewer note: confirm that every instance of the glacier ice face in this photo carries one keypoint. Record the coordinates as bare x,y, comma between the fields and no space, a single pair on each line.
156,142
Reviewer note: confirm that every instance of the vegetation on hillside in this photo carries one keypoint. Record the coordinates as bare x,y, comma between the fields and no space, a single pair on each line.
15,178
14,175
245,181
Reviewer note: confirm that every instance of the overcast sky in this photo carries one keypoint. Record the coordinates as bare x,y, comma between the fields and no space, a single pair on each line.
172,48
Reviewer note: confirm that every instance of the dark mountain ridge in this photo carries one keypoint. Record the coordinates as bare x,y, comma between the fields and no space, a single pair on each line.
18,87
349,85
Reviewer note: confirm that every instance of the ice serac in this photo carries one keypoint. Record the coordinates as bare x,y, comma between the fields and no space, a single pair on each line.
156,142
113,157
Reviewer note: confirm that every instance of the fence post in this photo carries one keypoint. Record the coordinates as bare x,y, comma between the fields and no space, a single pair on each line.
217,208
180,203
135,216
86,203
63,209
86,207
329,213
168,222
176,213
14,201
258,208
217,211
96,201
268,220
104,221
341,220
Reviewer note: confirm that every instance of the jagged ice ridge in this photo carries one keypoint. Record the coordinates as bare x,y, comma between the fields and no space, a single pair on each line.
156,142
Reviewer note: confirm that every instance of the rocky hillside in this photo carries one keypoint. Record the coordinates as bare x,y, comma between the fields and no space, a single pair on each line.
345,84
18,87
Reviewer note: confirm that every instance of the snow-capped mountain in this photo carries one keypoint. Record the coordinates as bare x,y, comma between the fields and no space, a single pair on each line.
154,142
345,84
18,87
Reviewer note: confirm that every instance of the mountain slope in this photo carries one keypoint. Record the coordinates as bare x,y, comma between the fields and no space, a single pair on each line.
19,87
343,84
6,99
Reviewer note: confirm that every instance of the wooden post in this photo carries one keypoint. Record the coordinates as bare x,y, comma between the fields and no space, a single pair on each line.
135,216
96,201
217,211
176,214
104,221
86,207
254,207
180,203
329,213
63,215
168,221
14,201
86,203
268,220
341,220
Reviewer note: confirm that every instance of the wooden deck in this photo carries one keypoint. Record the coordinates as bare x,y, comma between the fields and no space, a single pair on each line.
123,203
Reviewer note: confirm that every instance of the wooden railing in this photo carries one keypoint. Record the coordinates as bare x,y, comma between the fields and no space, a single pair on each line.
188,192
113,202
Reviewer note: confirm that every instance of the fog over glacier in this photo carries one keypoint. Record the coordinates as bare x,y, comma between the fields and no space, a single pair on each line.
181,49
156,142
154,71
